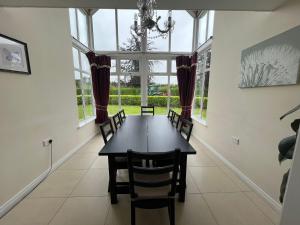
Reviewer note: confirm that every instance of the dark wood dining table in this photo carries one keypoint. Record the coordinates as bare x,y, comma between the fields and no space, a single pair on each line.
146,134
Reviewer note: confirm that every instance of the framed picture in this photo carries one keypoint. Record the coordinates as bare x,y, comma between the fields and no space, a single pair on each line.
273,62
13,56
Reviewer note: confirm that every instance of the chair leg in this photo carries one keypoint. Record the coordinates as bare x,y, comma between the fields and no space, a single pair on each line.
132,214
171,209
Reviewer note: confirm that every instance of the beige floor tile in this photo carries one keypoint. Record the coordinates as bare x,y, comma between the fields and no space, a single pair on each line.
94,183
82,211
94,146
212,179
235,209
235,179
100,163
193,211
33,212
59,184
191,186
264,207
200,159
82,161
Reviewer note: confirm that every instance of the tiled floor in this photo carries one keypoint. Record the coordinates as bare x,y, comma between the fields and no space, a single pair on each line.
76,194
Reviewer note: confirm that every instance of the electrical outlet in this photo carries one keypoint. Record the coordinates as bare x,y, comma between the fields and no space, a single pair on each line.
47,142
236,140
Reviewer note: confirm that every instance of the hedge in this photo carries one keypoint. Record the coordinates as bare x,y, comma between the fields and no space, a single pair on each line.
137,91
136,100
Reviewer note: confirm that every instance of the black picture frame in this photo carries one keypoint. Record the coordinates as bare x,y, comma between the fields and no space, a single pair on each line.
14,57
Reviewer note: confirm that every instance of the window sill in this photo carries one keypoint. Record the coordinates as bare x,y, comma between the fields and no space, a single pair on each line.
202,122
85,122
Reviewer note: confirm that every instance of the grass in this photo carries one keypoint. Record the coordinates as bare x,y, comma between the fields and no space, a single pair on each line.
131,110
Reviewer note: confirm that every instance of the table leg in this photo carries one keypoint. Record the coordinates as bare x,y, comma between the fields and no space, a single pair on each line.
112,180
182,178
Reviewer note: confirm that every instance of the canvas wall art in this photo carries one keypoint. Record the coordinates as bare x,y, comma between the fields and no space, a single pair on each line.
272,62
13,55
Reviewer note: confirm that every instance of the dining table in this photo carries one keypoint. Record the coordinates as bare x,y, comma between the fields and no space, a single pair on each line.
153,134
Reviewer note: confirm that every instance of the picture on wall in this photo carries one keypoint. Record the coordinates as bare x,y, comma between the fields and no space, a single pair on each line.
13,56
272,62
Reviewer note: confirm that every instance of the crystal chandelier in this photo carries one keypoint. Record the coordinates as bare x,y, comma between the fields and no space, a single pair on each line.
149,20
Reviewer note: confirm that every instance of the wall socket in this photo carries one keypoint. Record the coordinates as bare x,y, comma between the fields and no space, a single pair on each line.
46,142
236,140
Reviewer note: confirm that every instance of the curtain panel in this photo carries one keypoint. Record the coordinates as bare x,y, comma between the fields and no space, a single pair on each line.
100,69
186,77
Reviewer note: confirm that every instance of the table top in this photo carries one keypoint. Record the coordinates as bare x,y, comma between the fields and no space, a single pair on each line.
146,134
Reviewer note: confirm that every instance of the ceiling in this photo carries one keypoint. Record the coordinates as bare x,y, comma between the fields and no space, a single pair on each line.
253,5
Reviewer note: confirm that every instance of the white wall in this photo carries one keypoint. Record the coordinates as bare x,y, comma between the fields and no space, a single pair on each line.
251,114
41,105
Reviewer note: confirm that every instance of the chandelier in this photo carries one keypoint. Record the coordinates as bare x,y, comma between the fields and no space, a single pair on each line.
147,19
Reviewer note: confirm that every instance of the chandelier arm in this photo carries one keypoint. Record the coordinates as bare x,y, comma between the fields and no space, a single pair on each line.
162,31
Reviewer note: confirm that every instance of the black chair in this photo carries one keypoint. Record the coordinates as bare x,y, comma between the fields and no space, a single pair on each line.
175,119
186,128
153,187
107,130
170,114
122,115
117,121
147,110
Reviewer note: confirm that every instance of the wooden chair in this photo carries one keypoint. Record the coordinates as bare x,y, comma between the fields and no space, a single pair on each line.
186,128
107,130
175,119
147,110
122,115
153,187
117,121
170,114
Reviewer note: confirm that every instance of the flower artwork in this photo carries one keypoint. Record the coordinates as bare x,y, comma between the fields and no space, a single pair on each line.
272,62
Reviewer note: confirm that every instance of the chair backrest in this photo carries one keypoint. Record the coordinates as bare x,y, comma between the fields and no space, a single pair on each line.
186,128
147,110
122,115
107,130
175,119
117,121
170,114
153,177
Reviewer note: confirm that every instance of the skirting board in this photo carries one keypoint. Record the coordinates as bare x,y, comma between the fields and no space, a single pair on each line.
30,187
275,205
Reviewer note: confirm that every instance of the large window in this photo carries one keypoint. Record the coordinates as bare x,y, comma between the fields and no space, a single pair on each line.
205,29
85,103
79,25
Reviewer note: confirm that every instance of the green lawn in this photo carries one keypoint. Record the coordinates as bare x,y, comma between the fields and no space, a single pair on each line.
130,110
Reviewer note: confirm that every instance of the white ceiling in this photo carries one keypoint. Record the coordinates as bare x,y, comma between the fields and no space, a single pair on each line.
255,5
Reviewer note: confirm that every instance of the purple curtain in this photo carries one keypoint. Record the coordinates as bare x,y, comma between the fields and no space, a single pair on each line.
186,75
100,68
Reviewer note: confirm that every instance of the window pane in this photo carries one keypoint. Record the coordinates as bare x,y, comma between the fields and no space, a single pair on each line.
82,26
158,93
205,95
129,65
72,15
113,106
211,23
159,43
87,95
131,94
157,66
113,67
173,66
197,101
127,41
104,29
85,63
174,95
182,35
202,29
79,95
75,58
